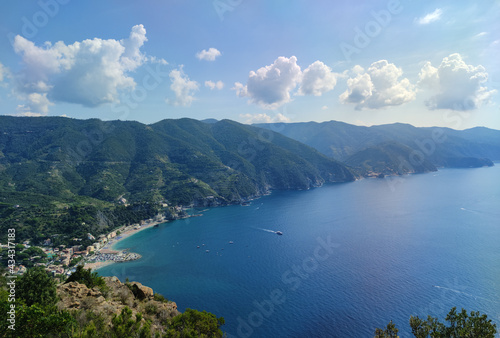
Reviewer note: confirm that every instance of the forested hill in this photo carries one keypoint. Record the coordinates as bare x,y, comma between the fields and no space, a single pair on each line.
183,161
420,147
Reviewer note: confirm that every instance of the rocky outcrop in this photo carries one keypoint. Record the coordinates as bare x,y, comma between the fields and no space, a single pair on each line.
140,291
114,297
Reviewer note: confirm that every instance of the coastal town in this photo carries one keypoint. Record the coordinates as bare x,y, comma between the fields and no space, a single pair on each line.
62,260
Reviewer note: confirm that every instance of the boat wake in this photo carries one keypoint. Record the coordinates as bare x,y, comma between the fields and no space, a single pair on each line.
469,210
460,292
267,230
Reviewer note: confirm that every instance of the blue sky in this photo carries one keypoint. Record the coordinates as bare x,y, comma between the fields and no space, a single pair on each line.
428,63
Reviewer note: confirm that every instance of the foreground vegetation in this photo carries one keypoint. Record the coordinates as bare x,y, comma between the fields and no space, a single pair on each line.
39,312
459,325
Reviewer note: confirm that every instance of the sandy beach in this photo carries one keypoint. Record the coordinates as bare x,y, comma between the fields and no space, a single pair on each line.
97,265
110,246
113,242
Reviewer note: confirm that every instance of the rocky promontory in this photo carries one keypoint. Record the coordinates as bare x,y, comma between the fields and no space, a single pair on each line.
114,297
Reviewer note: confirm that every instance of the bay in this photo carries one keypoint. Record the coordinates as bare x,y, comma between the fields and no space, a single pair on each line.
352,256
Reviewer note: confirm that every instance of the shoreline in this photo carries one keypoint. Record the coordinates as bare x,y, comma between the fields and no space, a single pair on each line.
110,246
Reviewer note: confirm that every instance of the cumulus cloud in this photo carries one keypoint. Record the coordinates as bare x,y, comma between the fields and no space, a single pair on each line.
263,118
241,90
91,72
430,17
270,86
457,84
38,105
132,56
317,79
183,88
378,87
214,85
209,55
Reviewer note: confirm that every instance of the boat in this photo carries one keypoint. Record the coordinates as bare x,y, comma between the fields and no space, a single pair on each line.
279,233
230,242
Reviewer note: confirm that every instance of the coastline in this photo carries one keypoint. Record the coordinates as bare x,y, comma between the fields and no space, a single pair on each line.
110,246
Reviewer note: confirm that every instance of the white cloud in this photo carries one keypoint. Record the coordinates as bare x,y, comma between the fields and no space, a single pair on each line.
317,79
457,84
357,69
3,72
263,118
214,85
182,87
324,108
241,90
38,105
380,86
209,55
132,56
430,17
270,86
91,72
480,35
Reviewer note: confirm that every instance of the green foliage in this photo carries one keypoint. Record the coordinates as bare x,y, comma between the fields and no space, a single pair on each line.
39,321
90,324
36,314
123,326
193,323
27,257
391,331
35,286
87,277
460,325
158,297
75,261
151,309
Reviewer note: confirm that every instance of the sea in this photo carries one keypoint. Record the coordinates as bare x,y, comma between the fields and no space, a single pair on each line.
351,257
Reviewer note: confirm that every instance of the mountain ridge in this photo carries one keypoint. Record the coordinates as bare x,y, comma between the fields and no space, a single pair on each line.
442,147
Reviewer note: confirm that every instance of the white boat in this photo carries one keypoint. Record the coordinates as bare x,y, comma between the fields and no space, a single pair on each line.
279,233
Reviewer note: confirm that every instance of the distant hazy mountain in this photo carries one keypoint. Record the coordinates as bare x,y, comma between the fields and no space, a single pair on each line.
388,158
396,147
183,161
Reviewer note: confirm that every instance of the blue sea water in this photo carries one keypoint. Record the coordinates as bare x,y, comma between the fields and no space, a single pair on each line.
352,256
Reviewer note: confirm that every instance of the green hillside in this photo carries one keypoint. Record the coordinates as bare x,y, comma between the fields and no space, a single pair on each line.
55,165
